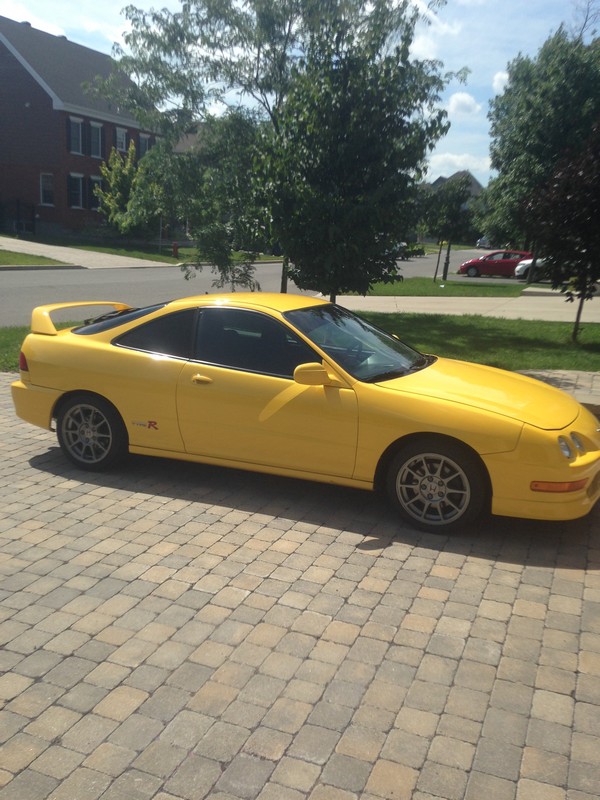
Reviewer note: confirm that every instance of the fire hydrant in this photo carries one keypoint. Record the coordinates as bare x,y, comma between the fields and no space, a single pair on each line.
175,249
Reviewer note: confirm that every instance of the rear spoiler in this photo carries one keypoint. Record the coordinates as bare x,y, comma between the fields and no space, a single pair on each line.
41,321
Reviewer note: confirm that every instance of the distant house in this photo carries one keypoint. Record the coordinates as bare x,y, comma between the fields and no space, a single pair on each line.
54,136
475,187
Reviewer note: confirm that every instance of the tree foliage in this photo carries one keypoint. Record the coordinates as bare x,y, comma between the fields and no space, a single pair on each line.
222,215
118,175
566,215
447,211
349,115
349,148
547,109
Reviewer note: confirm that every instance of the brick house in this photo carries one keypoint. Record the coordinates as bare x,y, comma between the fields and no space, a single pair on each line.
54,136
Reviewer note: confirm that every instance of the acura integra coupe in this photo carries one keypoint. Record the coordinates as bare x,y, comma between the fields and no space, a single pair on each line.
295,386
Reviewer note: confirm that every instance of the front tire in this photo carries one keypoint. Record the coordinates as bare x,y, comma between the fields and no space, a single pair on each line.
473,272
437,485
90,432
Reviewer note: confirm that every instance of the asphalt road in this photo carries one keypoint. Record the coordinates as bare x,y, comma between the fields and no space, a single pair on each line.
22,289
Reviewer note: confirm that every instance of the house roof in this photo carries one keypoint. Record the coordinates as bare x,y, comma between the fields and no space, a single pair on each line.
61,68
475,187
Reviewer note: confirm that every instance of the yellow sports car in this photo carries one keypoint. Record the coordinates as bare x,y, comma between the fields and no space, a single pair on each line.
295,386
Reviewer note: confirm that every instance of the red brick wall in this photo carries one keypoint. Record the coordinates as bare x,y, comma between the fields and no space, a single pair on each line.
34,140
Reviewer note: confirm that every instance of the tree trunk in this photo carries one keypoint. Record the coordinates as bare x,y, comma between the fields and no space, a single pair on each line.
577,326
284,275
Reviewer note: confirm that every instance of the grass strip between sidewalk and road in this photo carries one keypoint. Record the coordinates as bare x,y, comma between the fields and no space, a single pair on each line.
510,344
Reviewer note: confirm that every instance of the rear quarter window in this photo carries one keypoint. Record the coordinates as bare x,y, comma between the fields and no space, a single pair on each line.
171,335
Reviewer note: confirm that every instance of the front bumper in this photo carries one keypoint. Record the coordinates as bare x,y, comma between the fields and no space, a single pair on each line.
538,459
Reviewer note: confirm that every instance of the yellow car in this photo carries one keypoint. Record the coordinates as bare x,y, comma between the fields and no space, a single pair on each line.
295,386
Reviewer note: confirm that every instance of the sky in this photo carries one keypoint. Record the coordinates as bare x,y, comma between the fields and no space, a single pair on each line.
482,35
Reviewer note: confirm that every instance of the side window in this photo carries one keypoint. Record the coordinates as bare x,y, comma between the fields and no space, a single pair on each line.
171,335
76,135
251,341
121,139
75,190
96,140
46,189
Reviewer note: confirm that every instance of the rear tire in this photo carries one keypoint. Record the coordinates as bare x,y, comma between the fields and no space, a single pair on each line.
91,432
438,485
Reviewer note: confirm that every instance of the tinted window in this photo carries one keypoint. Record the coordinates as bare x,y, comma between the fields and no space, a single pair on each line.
249,340
113,319
171,335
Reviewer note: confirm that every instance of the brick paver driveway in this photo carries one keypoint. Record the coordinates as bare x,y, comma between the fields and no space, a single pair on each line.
175,631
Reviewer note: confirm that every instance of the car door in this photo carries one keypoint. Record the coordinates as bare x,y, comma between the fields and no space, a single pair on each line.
490,264
508,264
140,376
237,400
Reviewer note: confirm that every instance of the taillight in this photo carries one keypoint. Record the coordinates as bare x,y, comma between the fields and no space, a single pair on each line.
23,365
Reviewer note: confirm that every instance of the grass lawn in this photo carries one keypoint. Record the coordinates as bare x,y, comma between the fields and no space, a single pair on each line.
425,287
8,258
511,344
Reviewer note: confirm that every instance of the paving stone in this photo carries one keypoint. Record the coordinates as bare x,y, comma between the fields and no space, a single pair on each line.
189,633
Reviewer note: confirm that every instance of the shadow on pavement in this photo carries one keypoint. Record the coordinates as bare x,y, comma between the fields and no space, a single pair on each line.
366,514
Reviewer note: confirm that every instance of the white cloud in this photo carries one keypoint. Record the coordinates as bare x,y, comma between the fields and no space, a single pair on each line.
463,103
499,82
447,164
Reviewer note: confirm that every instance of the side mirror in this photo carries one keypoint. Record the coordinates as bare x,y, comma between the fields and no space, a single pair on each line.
315,374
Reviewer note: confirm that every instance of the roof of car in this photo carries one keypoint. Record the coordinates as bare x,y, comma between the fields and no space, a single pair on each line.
257,300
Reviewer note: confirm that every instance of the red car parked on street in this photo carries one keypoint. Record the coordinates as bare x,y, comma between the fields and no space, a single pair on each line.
498,262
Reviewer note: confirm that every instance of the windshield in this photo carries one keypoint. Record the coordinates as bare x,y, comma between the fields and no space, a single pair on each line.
361,349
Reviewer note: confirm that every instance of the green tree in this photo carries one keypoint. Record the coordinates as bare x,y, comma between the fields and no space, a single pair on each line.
352,135
176,64
447,210
566,214
548,107
155,202
118,175
221,212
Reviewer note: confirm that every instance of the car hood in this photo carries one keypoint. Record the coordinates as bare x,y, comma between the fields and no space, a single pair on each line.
489,389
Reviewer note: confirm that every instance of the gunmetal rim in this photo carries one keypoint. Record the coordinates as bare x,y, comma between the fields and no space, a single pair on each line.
87,433
433,489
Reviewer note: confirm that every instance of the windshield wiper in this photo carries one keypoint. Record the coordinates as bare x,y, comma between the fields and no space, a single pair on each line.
387,376
423,361
420,363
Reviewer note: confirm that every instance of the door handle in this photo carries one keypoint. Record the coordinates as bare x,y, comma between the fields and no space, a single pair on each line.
197,378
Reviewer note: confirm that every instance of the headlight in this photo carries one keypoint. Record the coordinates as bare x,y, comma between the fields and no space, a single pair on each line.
579,445
565,447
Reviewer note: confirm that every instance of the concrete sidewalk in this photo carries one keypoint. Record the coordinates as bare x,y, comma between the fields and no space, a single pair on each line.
74,258
533,303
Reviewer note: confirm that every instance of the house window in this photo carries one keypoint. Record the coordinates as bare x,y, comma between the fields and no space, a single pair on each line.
47,189
121,139
94,202
96,140
76,135
144,144
75,187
